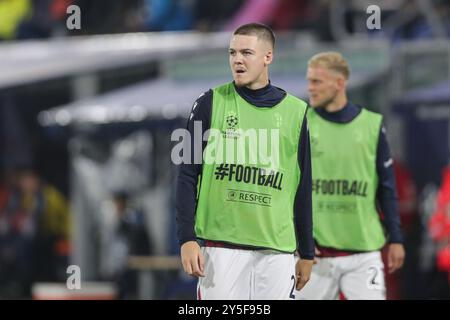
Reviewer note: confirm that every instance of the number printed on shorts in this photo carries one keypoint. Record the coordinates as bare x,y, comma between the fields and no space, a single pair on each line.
374,281
292,294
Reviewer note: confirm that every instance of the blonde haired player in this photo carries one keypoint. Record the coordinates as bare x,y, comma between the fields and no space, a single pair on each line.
352,179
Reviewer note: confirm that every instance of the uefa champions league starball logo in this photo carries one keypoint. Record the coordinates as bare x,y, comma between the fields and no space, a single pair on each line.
232,120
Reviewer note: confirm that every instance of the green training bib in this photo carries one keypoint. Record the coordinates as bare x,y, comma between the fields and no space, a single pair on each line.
250,172
345,181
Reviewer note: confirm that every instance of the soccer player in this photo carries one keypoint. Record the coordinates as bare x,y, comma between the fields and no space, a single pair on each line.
352,173
239,224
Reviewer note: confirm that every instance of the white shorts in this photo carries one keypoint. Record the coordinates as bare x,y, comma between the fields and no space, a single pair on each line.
358,277
234,274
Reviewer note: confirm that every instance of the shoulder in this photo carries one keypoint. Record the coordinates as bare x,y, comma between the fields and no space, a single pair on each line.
371,118
279,91
202,104
204,97
311,113
373,121
224,89
371,114
297,102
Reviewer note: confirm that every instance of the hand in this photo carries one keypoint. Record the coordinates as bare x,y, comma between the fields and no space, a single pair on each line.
303,272
192,259
316,254
396,256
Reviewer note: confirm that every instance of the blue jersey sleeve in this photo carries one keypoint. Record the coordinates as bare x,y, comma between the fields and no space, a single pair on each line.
387,191
303,198
188,173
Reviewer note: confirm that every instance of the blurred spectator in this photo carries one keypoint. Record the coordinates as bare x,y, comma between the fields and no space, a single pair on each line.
34,235
423,26
213,15
104,16
58,8
128,236
253,11
319,20
4,194
292,14
49,18
407,201
280,14
439,225
168,15
39,24
407,196
12,13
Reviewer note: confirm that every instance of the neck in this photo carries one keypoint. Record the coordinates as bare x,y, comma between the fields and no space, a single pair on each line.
337,104
256,86
261,82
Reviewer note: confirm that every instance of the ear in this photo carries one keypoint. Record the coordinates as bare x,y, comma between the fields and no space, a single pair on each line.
341,82
268,57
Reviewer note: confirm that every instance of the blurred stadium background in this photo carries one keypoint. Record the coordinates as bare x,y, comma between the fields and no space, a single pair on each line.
86,117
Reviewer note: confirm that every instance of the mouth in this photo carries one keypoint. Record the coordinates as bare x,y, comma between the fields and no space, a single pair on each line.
239,71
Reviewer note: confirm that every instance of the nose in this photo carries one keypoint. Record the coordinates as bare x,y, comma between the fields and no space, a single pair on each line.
237,59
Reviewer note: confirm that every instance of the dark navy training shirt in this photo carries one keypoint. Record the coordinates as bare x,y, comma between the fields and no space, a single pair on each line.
386,192
186,193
